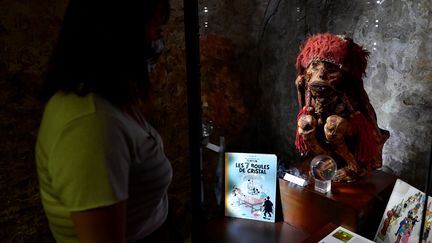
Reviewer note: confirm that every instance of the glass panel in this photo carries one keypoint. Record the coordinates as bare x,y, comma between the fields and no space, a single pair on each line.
248,56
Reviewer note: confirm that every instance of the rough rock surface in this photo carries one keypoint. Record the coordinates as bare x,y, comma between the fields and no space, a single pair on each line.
28,31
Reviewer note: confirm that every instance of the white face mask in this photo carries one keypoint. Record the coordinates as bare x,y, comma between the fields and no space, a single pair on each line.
157,47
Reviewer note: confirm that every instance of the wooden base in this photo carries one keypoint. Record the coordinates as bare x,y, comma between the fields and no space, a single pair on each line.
235,230
356,206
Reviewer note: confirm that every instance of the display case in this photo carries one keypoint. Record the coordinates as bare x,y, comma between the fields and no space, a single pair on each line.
231,64
250,99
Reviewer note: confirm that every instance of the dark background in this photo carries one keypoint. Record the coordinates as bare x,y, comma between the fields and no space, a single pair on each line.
248,53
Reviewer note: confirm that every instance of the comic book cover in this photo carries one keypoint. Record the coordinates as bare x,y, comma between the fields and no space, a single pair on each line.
342,235
402,217
427,237
250,186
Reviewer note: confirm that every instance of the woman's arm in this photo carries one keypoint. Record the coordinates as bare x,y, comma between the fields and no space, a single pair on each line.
104,224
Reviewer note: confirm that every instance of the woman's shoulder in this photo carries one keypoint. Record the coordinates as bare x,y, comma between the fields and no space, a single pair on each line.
65,109
70,106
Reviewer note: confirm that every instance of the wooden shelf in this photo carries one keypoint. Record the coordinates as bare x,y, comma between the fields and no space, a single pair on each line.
234,230
357,206
309,216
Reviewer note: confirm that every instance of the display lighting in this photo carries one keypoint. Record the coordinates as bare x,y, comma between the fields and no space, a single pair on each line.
206,22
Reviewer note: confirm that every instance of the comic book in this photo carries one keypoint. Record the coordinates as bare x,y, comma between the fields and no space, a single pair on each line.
402,217
250,186
342,235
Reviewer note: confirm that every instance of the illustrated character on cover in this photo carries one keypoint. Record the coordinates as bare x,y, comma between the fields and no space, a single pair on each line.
336,117
268,207
426,232
401,225
247,200
387,221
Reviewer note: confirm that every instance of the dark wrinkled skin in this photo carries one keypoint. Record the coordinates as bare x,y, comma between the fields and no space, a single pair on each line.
326,129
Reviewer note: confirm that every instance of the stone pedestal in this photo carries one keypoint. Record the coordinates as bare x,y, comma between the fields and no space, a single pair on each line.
356,206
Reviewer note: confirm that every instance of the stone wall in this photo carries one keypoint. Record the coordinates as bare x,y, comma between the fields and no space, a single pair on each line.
399,82
262,38
27,34
28,31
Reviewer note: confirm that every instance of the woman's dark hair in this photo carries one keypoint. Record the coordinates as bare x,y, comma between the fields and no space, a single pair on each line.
102,48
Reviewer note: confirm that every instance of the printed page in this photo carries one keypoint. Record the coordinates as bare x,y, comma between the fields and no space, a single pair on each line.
342,235
401,221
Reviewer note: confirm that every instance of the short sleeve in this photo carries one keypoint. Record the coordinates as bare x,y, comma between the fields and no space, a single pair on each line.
89,163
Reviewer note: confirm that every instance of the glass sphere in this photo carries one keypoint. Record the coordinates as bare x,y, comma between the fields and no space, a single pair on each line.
323,167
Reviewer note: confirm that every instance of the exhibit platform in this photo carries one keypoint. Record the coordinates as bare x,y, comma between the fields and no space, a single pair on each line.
356,206
309,215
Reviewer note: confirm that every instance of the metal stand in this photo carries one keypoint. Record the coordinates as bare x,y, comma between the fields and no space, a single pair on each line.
218,190
207,129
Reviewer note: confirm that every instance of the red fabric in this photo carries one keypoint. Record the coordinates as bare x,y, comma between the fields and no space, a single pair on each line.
366,148
337,49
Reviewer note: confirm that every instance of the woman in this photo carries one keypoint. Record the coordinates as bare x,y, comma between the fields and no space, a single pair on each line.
102,171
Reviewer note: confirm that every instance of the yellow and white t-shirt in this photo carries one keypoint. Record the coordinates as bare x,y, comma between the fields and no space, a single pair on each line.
90,154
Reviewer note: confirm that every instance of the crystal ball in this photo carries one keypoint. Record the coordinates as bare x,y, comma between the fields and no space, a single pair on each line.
323,167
